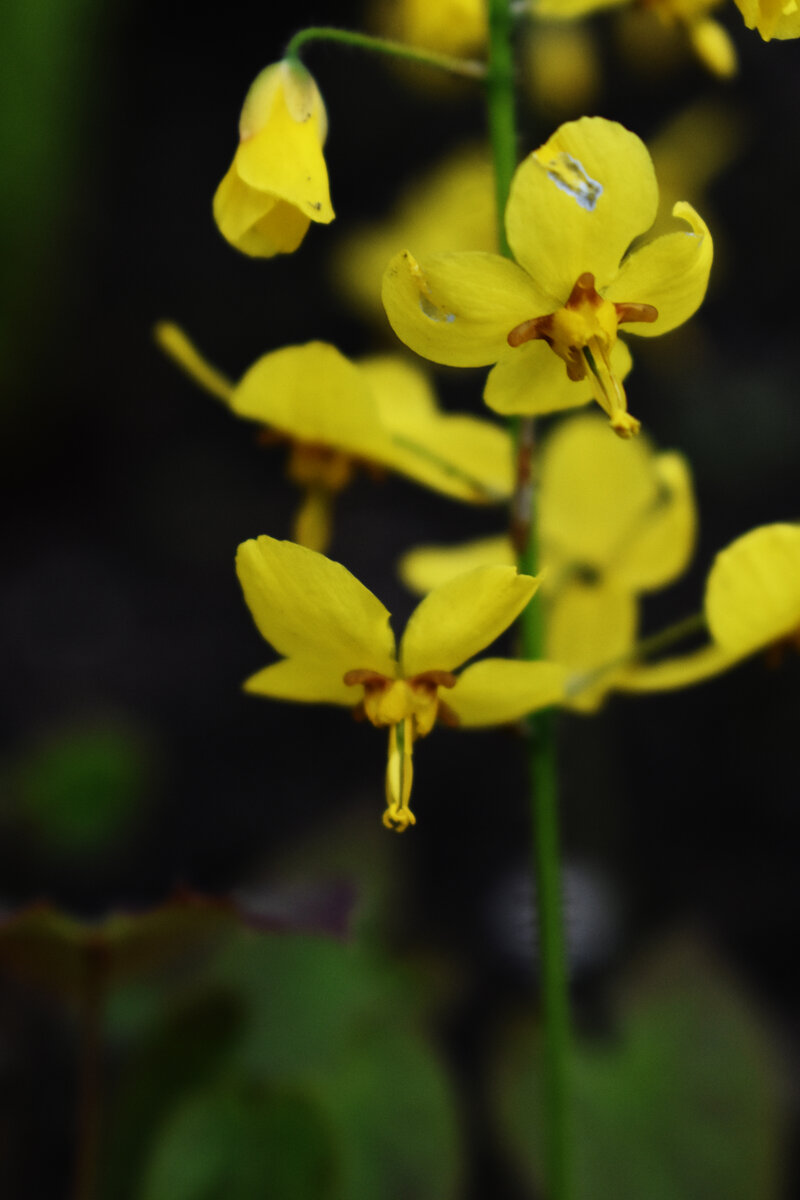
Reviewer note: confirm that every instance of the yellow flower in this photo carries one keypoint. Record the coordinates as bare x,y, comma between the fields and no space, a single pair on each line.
457,27
337,416
562,70
772,18
614,521
550,323
278,182
337,648
752,602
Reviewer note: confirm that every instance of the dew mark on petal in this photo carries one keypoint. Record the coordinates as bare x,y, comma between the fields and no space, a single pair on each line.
433,312
568,174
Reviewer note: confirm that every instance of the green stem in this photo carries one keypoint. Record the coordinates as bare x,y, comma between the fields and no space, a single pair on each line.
540,728
543,759
362,41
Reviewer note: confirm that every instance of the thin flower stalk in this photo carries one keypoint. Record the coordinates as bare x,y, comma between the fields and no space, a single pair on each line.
540,727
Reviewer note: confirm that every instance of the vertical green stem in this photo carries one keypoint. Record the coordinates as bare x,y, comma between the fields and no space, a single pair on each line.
542,750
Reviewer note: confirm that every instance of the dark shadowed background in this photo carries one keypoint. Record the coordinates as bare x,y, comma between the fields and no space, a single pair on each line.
131,761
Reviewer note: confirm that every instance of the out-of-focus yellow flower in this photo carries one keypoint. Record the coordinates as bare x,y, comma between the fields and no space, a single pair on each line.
692,149
709,39
576,204
654,35
451,207
457,27
772,18
277,183
337,416
614,521
337,648
561,68
752,601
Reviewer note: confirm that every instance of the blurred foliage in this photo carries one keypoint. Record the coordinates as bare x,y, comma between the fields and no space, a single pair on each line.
289,1066
44,52
79,788
682,1103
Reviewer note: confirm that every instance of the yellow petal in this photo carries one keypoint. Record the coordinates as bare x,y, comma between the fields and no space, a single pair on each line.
311,608
671,272
304,680
660,547
458,309
314,394
594,488
753,589
772,18
174,342
590,624
281,148
463,616
675,673
256,222
714,46
577,203
464,457
497,690
531,380
427,567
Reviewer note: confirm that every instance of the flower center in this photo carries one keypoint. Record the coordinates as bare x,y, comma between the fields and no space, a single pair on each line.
410,708
583,334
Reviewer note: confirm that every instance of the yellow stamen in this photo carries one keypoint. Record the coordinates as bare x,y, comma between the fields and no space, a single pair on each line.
399,776
583,334
410,708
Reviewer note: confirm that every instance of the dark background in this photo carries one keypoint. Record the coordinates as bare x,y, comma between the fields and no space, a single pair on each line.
127,492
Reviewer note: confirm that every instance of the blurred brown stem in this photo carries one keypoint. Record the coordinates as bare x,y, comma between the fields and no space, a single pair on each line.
90,1071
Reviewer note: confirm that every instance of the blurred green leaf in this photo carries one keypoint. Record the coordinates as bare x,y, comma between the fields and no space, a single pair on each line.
81,788
46,67
684,1104
309,1000
393,1114
321,1021
232,1143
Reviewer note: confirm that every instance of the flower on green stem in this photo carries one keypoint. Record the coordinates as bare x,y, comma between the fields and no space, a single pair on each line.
549,320
615,521
338,416
752,603
337,648
277,183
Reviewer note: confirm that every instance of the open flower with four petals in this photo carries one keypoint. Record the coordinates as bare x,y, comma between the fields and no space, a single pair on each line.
337,647
549,321
337,417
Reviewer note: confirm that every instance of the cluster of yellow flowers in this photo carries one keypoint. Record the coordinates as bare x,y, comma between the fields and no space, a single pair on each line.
616,519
